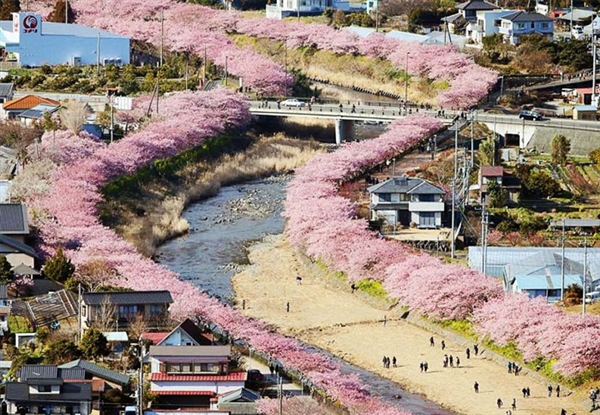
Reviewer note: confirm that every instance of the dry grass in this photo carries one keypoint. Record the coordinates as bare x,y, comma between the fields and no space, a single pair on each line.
162,214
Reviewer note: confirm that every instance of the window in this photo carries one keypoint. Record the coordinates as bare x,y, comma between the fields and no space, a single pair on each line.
426,198
427,219
385,197
44,388
156,309
127,310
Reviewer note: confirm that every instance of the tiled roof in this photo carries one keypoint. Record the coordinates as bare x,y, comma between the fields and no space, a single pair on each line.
222,352
192,330
128,297
522,16
37,372
15,246
196,393
231,377
476,5
28,102
13,219
155,338
410,185
494,171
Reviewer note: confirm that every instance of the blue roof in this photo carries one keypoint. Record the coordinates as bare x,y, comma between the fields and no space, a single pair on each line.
586,108
545,282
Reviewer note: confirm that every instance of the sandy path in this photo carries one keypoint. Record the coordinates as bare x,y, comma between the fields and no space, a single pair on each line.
328,315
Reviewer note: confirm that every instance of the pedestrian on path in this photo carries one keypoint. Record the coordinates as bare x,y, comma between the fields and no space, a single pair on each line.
549,391
298,280
287,307
476,349
394,361
457,361
499,403
431,342
468,352
443,345
384,321
513,406
426,367
558,391
476,387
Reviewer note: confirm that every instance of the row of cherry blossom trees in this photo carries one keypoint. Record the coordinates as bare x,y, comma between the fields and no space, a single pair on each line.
70,174
324,224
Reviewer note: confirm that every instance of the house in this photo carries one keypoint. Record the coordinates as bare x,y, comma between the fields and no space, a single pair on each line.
4,308
239,401
30,116
13,108
585,112
285,8
49,389
583,96
100,378
488,24
14,227
517,24
117,309
189,376
465,20
7,92
407,200
186,334
538,270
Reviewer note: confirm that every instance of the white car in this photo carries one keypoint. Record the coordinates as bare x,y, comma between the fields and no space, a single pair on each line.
292,102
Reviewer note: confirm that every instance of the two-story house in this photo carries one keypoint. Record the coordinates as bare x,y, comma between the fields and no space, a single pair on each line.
517,24
115,310
14,228
405,200
488,23
13,108
283,8
43,389
466,16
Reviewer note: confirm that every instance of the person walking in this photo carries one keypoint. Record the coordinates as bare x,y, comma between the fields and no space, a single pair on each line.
476,387
431,342
298,280
476,349
524,390
468,353
457,361
394,361
422,366
443,345
549,391
426,367
499,403
513,406
528,392
384,321
558,391
451,361
287,307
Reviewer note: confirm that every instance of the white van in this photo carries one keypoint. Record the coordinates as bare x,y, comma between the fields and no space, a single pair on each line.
577,32
592,297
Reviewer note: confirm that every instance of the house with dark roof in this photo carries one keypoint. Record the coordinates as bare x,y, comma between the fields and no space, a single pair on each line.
187,333
14,228
407,200
519,23
464,21
49,389
13,108
101,378
30,116
7,91
116,310
190,376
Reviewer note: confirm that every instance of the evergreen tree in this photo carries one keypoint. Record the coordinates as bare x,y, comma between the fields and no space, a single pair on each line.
93,344
561,146
6,273
58,268
57,14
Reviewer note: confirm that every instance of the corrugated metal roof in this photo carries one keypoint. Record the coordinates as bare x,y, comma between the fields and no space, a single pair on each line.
487,171
235,376
38,111
576,223
545,282
16,246
69,392
522,16
405,185
156,337
6,89
186,393
200,351
97,371
476,5
37,371
13,219
128,297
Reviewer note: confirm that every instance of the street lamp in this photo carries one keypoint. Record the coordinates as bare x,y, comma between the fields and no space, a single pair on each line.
406,80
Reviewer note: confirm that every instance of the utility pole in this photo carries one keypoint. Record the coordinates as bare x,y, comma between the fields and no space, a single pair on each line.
452,236
280,389
204,72
484,231
584,272
562,264
454,184
162,35
473,115
66,10
406,82
571,27
98,55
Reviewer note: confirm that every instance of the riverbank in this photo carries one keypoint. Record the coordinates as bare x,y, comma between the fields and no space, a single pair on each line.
324,313
151,213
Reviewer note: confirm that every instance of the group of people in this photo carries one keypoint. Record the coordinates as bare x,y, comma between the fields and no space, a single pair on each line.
514,368
557,389
449,360
513,406
386,362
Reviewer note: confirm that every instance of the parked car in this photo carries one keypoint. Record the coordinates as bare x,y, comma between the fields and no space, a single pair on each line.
530,115
254,375
592,297
292,102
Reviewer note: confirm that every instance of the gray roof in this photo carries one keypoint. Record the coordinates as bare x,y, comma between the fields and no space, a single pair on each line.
408,185
476,5
575,223
69,392
25,270
522,16
239,395
38,111
37,372
51,28
3,292
97,371
15,246
196,351
6,89
128,297
13,219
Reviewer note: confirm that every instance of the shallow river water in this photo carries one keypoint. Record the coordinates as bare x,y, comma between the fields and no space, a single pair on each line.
209,255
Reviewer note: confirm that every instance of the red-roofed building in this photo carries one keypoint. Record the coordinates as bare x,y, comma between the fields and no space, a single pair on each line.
188,376
12,109
155,337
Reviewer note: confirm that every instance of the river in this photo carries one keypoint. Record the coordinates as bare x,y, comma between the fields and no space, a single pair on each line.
214,249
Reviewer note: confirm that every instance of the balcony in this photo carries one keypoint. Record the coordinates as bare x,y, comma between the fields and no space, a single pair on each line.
426,206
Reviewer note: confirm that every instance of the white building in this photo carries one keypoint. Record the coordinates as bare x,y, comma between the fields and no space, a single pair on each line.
29,41
285,8
488,23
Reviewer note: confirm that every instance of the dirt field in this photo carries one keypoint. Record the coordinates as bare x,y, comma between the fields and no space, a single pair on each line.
326,314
